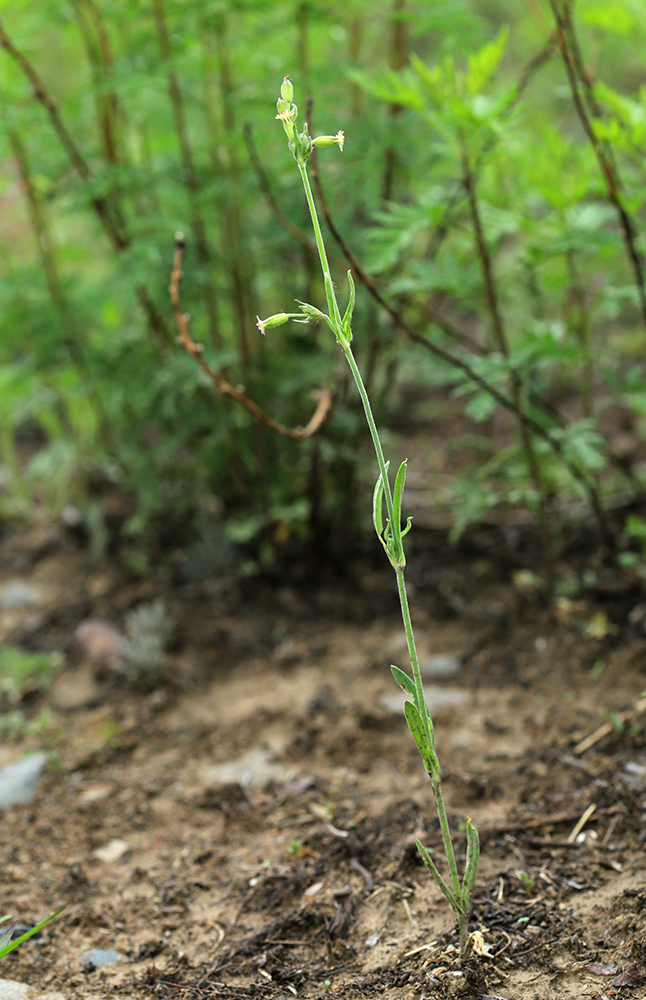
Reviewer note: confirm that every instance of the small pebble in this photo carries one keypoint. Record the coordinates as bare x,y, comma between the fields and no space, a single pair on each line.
253,769
98,958
18,782
10,989
112,851
17,594
102,643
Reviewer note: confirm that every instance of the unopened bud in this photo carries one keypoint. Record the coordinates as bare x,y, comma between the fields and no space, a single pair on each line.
276,320
311,313
330,140
287,90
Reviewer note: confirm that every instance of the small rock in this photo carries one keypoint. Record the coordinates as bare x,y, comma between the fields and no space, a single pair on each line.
112,851
632,767
95,793
634,776
101,643
10,989
75,689
18,782
440,666
98,958
17,594
71,516
253,769
436,698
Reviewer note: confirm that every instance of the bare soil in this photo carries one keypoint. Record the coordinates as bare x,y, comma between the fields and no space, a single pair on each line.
306,881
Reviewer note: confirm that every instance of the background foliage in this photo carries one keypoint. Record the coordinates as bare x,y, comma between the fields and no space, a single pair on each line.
492,186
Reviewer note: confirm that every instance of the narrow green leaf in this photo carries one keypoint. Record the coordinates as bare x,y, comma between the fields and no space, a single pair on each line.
5,937
404,681
377,505
347,319
441,884
6,948
398,492
471,862
423,737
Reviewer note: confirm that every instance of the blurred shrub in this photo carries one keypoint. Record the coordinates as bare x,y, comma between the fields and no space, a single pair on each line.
492,178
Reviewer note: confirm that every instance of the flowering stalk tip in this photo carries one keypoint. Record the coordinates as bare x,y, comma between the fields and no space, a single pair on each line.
300,143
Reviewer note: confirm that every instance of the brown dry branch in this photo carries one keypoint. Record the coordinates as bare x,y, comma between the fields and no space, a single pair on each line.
322,395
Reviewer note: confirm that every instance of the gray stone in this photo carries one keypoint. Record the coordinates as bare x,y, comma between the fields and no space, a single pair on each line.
18,782
98,958
436,698
441,666
17,594
253,769
10,989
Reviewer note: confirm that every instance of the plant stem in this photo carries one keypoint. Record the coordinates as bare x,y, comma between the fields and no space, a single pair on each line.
460,906
320,245
435,781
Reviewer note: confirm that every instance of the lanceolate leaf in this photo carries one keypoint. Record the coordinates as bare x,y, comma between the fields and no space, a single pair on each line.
471,862
432,867
422,736
377,505
404,681
5,937
8,945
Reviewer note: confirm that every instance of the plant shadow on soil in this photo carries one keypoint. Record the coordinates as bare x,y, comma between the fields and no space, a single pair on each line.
304,880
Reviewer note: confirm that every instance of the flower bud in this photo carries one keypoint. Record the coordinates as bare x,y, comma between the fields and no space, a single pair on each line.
276,320
311,313
330,140
287,90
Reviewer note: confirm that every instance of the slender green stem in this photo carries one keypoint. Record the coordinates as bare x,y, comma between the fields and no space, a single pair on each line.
401,583
374,433
336,316
391,534
327,276
435,780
